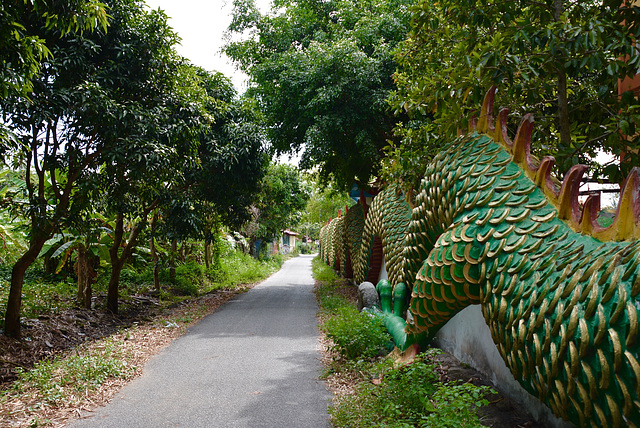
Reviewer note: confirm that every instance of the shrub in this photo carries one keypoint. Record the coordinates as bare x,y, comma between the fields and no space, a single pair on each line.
306,248
410,396
455,405
189,278
357,335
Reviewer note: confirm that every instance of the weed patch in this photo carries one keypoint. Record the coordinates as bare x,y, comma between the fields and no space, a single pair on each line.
357,334
385,395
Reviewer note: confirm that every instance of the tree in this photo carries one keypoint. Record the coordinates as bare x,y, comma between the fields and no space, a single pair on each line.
324,203
560,60
321,72
150,128
282,197
23,47
108,111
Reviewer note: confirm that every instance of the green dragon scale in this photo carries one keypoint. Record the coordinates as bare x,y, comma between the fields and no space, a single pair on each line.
490,226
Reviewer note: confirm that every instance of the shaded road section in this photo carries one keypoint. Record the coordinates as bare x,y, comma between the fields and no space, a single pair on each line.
253,363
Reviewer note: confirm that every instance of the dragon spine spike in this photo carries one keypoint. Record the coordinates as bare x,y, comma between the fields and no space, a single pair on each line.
521,146
500,131
626,224
568,205
485,121
473,125
588,223
543,174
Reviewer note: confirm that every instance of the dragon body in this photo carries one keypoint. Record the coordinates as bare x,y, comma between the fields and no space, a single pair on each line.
490,226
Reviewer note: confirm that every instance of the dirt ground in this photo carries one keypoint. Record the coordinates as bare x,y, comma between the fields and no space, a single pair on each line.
51,335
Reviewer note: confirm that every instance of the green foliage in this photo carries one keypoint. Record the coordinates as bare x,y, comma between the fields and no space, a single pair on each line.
239,268
357,334
189,278
44,295
282,197
321,72
323,204
559,60
455,405
23,50
409,396
305,248
86,371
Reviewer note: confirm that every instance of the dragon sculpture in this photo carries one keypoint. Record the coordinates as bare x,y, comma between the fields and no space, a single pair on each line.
491,226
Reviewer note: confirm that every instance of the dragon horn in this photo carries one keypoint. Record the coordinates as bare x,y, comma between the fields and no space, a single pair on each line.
543,175
626,224
485,121
500,131
588,222
568,205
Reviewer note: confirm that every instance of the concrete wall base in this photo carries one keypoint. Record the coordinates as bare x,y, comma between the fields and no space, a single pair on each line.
467,337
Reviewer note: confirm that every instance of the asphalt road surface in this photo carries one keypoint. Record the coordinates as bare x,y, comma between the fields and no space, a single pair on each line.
253,363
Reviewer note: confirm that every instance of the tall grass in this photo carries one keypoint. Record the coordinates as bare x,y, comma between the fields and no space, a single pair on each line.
239,268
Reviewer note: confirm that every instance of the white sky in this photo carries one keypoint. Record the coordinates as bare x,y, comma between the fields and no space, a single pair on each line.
201,24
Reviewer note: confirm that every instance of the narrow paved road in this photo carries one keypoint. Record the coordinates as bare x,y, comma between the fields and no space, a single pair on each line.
253,363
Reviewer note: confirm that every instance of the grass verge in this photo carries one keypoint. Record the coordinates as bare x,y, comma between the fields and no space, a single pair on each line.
370,390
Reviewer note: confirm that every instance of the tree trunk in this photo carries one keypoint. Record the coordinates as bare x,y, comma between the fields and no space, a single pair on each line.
116,265
154,253
183,252
207,252
114,285
14,301
49,264
86,276
118,260
172,268
564,125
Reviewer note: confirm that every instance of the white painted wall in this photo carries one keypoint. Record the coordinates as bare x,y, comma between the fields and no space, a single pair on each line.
467,337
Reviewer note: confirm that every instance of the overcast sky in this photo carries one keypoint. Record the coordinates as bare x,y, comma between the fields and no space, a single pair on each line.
201,24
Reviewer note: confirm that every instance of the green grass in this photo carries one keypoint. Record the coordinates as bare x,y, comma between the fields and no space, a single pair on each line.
386,395
239,268
322,272
56,380
50,294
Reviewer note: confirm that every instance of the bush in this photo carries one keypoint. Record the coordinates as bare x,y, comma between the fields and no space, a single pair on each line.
456,405
189,278
410,396
357,335
306,248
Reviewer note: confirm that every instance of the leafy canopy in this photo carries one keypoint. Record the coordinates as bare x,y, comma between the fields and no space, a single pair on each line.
321,72
559,60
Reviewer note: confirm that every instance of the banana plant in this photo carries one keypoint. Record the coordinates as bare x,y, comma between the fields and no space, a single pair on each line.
91,242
